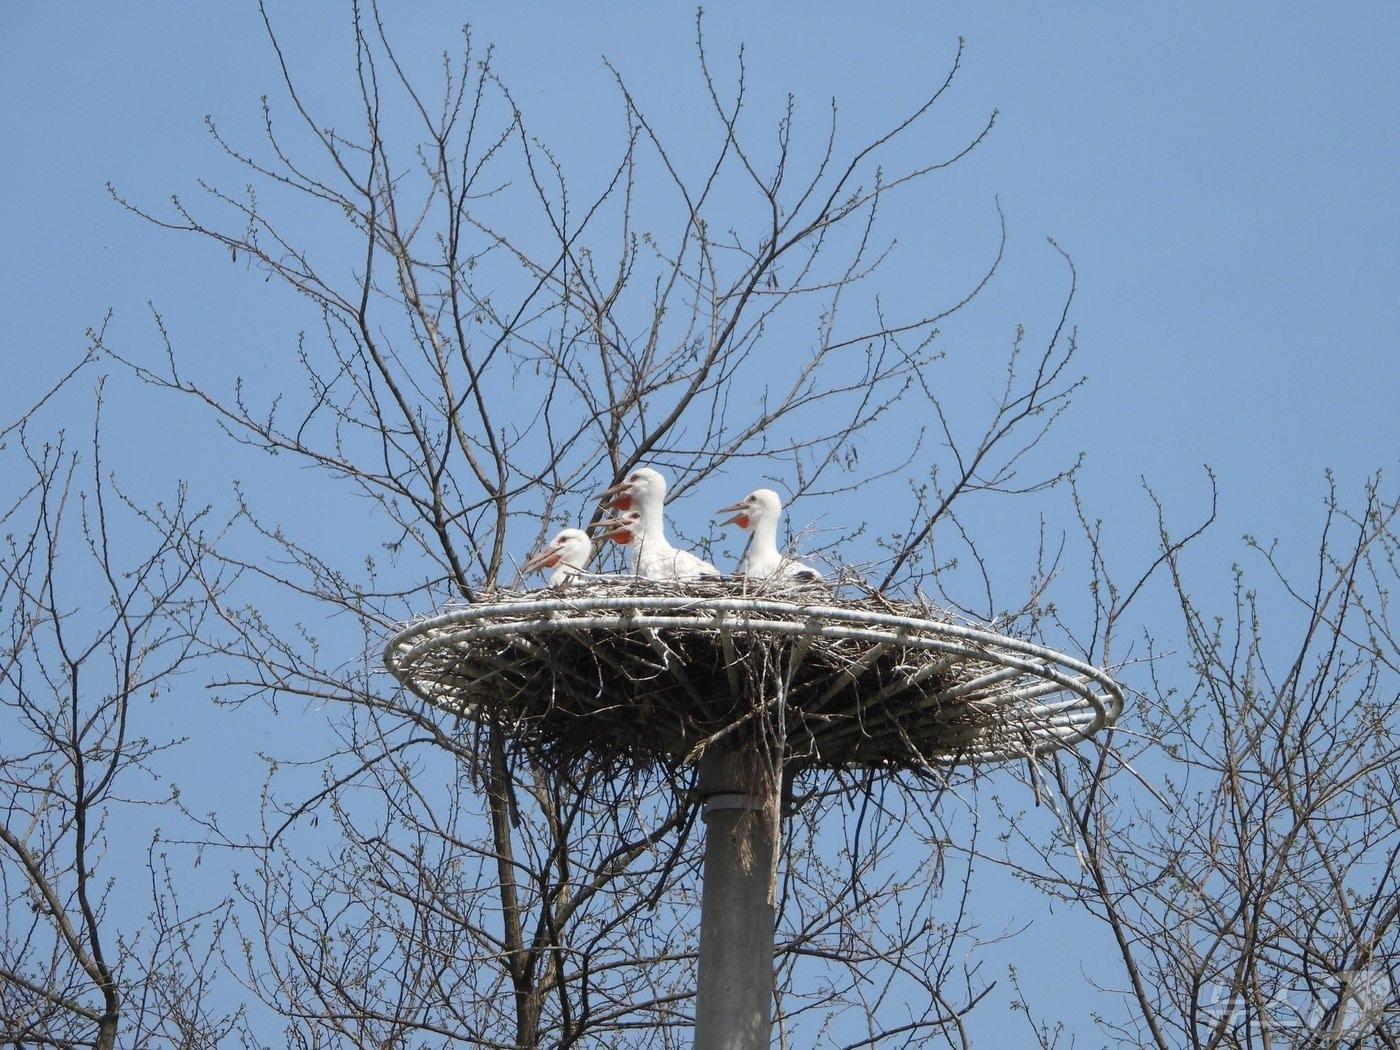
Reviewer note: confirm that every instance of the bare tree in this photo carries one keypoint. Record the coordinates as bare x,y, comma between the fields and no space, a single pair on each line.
498,348
94,630
1241,846
491,341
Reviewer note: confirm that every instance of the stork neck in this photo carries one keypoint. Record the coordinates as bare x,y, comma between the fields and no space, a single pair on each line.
653,518
764,540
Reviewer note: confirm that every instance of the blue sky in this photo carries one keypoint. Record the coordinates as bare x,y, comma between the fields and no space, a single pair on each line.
1224,177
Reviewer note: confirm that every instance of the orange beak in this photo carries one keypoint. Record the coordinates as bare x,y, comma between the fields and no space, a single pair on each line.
619,496
615,529
545,559
741,519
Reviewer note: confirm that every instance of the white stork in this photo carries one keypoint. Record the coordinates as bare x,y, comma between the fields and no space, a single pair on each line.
758,514
566,554
643,490
653,557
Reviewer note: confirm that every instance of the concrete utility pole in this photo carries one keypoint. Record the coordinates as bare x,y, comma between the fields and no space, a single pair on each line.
734,1001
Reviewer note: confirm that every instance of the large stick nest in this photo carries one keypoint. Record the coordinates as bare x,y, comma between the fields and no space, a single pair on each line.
622,669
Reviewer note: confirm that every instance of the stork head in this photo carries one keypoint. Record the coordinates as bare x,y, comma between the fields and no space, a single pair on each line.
759,505
624,528
643,486
569,547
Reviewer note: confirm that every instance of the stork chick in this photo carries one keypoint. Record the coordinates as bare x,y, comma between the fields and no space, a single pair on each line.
566,554
653,557
758,514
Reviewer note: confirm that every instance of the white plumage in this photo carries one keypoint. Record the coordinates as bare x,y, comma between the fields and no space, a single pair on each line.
758,514
566,554
653,557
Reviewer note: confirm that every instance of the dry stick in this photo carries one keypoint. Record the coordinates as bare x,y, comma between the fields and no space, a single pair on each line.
539,653
731,657
854,670
972,692
795,658
672,663
965,689
624,671
908,681
952,737
1051,720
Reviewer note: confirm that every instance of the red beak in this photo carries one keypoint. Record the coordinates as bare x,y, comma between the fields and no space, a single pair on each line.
615,529
741,519
618,497
545,559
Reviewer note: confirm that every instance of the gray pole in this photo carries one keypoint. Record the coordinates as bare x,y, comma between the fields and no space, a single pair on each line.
734,1001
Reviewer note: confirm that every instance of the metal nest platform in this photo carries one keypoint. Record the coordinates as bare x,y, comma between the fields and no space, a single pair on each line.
622,669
